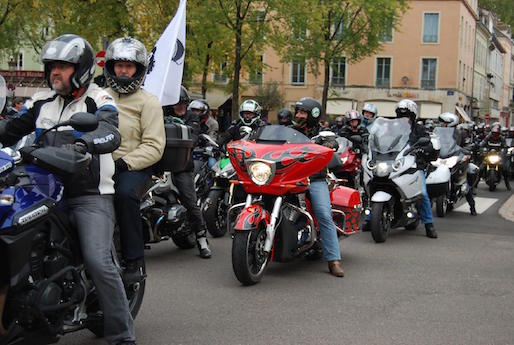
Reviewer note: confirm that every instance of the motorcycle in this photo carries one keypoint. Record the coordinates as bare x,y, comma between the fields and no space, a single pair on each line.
493,163
350,169
277,222
391,177
510,155
206,151
456,161
45,291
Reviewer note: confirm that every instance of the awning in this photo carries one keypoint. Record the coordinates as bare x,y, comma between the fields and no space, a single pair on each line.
339,107
429,110
462,113
384,108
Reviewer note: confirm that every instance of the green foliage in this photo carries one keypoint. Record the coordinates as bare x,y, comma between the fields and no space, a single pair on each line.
504,9
269,96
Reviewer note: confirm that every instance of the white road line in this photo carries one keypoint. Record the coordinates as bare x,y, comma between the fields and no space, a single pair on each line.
481,205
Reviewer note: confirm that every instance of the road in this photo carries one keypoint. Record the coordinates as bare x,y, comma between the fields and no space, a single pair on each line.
457,289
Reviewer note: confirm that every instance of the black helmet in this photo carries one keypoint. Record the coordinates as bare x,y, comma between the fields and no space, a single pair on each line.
125,49
72,49
202,106
184,95
340,120
313,110
285,117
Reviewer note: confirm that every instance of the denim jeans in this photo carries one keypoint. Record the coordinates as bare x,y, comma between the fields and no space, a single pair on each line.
93,215
425,207
320,200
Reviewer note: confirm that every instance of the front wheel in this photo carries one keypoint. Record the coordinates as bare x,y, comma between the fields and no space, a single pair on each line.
249,260
441,205
216,213
491,180
380,222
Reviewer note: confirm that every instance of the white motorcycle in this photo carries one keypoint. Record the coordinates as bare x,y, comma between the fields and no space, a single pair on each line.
391,177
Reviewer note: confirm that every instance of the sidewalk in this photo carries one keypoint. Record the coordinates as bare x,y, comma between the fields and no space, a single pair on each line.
507,209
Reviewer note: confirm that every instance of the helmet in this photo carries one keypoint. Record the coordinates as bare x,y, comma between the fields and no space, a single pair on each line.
340,120
184,95
369,107
125,49
203,106
429,125
71,49
496,129
504,130
407,108
249,106
312,108
450,119
353,115
285,116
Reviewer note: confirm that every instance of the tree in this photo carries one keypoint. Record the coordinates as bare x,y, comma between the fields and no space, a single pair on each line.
320,31
269,97
502,8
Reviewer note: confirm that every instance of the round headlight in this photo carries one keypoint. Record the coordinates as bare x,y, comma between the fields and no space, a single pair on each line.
382,169
493,159
260,173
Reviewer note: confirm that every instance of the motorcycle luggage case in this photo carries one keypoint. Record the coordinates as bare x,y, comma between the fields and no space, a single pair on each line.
349,201
177,152
438,182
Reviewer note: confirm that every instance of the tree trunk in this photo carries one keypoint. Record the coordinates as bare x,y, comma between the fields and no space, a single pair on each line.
326,84
205,72
237,64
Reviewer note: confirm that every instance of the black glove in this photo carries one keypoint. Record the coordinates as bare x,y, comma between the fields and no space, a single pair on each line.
78,146
120,166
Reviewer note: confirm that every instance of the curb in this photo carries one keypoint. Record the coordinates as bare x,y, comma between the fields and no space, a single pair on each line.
507,209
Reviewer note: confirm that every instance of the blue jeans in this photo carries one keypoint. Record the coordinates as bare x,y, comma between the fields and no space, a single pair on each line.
320,200
93,216
425,208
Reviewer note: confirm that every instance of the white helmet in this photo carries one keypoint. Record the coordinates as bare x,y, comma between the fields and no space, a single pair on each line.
450,119
249,106
370,107
407,108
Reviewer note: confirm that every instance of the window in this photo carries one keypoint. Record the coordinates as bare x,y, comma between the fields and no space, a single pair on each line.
219,74
338,72
19,64
338,31
299,31
298,72
431,28
256,73
428,73
387,34
383,72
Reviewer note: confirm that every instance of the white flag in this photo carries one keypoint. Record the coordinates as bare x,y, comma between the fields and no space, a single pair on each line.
164,75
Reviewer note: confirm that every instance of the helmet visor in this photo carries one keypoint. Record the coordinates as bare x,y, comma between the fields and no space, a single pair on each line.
63,51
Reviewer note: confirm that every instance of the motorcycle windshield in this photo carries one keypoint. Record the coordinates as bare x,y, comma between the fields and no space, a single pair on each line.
389,135
343,144
279,135
449,146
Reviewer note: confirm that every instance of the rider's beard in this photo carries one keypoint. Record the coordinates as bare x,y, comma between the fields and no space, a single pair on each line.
60,86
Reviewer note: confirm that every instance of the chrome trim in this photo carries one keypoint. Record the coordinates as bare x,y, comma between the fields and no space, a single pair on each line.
344,224
271,228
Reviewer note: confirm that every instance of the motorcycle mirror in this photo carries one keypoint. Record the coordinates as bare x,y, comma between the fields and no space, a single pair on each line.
83,122
208,139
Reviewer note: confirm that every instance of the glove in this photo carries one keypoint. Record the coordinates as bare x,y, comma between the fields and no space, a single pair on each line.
120,166
78,146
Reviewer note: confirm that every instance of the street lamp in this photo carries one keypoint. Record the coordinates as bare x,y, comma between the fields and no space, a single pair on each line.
11,86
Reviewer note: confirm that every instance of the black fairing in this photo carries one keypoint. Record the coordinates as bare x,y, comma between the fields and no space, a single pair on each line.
61,161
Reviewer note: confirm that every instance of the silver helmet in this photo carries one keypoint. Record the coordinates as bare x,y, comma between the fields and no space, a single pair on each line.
126,49
407,108
450,119
249,107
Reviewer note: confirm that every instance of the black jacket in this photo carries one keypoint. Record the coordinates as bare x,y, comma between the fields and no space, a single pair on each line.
312,132
426,153
232,133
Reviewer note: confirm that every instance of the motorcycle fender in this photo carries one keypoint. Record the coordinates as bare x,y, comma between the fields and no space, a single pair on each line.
472,168
250,217
381,196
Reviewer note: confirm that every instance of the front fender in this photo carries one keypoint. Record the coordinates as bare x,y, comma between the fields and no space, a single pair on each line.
250,217
381,196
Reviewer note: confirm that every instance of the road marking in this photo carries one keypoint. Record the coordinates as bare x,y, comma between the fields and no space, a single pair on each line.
481,205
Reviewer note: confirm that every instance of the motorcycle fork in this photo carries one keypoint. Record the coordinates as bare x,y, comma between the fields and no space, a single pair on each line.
271,227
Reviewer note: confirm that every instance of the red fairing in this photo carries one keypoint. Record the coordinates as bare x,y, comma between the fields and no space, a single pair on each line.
293,164
349,201
342,196
351,160
250,217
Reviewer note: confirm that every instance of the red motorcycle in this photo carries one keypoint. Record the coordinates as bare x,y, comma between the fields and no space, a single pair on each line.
277,222
350,170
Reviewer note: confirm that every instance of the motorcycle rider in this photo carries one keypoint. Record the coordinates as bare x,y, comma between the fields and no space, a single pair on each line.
307,117
69,66
184,180
338,126
451,120
494,140
249,116
285,117
142,145
208,125
369,113
408,108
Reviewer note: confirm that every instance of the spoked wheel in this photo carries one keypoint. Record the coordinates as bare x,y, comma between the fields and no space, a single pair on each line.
216,214
380,223
249,260
441,205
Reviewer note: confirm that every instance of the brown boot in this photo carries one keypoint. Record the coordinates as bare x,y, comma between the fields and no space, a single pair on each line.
335,268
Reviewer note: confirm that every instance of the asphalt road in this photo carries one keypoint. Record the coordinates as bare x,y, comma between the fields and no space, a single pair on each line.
457,289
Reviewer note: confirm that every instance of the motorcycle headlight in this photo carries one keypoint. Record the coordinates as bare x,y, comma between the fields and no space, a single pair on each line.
398,164
493,159
510,150
261,172
382,169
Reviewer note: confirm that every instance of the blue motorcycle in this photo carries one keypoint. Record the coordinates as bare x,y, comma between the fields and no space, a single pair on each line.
45,291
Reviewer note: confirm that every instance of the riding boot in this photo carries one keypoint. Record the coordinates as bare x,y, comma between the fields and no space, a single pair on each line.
335,268
134,271
471,202
429,227
203,245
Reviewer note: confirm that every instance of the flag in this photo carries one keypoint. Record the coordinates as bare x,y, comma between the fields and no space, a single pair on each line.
164,75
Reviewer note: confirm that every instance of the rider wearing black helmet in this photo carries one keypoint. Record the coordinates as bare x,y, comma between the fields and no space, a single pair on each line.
495,140
285,117
307,116
69,64
338,126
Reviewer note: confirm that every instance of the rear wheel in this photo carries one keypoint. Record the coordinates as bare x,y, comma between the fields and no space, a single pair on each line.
379,222
249,260
216,213
441,205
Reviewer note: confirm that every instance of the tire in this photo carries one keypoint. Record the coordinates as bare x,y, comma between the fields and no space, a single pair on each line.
249,268
441,206
413,226
183,237
215,215
491,180
379,222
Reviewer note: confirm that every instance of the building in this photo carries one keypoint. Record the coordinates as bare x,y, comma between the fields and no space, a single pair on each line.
481,104
504,36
